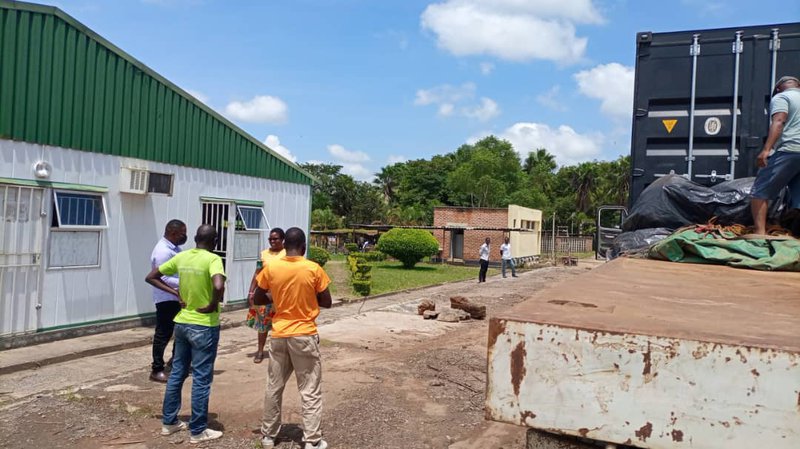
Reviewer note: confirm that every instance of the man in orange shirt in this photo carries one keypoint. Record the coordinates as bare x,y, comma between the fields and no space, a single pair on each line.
298,288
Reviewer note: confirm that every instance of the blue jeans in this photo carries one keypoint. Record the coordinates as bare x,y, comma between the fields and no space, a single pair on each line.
511,263
783,169
195,345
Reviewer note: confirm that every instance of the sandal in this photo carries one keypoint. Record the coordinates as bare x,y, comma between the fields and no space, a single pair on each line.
259,357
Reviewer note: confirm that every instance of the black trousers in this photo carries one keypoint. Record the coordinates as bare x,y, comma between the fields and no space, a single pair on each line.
484,268
165,314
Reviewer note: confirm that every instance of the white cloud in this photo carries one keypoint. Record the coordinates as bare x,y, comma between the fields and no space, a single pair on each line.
392,159
487,110
199,95
458,100
342,154
446,109
357,171
551,100
487,68
444,94
567,145
516,30
274,143
261,109
612,84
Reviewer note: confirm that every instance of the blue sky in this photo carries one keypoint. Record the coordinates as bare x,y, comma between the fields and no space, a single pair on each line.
364,83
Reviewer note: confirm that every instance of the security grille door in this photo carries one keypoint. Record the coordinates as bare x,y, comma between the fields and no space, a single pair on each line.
21,236
217,215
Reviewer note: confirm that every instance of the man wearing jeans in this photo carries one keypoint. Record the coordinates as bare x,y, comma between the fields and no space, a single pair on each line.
299,287
167,304
783,167
196,331
505,255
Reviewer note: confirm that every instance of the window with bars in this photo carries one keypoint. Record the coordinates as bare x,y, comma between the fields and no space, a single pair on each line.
77,221
72,210
249,218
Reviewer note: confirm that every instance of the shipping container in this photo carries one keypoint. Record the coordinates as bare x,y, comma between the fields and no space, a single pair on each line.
701,100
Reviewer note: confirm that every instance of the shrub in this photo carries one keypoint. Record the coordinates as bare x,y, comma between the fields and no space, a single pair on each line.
360,273
374,256
318,255
408,246
351,247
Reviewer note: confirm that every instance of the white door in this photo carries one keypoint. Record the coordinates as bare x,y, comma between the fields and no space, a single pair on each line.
21,236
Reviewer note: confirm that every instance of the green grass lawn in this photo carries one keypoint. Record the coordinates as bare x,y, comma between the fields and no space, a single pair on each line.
390,276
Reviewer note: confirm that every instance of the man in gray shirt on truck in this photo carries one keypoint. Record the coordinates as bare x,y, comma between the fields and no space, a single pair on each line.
783,167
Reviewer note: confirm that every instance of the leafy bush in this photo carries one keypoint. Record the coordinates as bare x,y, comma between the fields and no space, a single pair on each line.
360,273
362,288
408,246
351,247
374,256
318,255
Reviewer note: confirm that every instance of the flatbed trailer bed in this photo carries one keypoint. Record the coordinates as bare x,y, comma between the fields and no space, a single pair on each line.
654,354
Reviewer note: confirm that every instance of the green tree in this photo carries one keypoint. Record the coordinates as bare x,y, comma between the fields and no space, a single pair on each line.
323,219
486,173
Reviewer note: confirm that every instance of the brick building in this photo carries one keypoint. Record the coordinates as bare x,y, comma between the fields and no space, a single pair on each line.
462,230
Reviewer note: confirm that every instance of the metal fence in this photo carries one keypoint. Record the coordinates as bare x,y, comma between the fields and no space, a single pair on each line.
570,244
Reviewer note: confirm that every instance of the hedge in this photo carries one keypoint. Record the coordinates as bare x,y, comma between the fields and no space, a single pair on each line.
408,246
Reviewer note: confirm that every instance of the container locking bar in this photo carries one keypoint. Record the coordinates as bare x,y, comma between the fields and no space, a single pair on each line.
694,51
738,47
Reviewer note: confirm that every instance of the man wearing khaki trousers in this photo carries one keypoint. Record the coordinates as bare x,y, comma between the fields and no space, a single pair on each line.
298,288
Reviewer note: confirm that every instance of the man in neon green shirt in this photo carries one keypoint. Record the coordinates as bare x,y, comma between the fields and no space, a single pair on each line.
196,331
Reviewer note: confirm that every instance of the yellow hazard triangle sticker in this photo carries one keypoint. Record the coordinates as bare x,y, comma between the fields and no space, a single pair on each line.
669,124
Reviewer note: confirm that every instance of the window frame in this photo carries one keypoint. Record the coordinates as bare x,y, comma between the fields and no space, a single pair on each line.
68,227
171,183
53,231
236,256
244,223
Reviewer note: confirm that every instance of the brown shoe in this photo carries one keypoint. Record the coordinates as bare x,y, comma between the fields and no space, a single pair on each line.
159,376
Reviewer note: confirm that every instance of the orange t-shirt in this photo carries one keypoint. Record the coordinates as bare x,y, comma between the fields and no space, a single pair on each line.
294,282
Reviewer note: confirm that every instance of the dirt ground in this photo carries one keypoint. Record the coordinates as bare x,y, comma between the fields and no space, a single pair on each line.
390,380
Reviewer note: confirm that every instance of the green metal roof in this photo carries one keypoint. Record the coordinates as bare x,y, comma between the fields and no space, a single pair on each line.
62,84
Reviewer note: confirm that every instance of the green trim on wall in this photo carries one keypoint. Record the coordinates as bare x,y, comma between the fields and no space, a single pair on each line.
53,185
253,203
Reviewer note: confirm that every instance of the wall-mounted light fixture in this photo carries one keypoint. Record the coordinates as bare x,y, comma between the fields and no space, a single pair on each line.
42,169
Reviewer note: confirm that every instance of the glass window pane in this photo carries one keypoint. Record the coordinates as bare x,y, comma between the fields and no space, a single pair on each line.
77,209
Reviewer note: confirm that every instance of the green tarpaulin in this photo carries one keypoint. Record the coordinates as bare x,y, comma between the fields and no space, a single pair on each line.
776,254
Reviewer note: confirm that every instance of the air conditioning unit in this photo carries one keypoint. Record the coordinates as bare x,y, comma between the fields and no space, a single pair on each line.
133,180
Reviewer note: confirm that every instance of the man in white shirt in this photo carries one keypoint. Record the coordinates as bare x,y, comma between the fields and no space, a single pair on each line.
505,256
484,254
167,305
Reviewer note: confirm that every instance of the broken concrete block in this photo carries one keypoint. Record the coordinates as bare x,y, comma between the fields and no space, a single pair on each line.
426,304
475,311
430,314
453,315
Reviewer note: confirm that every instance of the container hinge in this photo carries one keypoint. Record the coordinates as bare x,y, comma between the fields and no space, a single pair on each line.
694,49
690,158
641,112
735,158
737,47
637,172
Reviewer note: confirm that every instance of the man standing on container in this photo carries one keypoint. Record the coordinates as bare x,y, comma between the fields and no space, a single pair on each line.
783,167
484,254
196,332
505,255
298,288
167,304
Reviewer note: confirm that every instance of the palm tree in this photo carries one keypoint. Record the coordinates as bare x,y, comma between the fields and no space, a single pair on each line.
539,161
582,180
387,180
